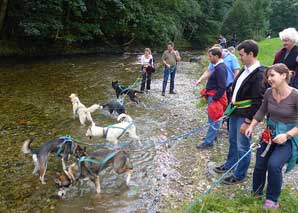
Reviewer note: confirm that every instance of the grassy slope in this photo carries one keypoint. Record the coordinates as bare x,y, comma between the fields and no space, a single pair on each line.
238,198
268,48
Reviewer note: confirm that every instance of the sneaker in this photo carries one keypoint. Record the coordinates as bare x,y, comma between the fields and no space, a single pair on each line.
269,204
163,93
232,180
220,169
172,92
204,146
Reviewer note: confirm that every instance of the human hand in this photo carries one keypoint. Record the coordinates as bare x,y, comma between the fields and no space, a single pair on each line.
280,138
243,128
198,82
168,66
248,131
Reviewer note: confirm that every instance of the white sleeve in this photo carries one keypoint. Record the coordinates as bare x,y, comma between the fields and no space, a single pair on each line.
142,59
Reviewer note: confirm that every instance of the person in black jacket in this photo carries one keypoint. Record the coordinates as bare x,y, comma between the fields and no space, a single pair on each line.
247,95
288,55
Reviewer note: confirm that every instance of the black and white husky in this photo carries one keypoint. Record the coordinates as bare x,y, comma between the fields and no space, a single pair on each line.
63,147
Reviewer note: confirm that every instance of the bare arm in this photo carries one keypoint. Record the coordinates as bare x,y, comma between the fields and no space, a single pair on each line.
204,76
236,72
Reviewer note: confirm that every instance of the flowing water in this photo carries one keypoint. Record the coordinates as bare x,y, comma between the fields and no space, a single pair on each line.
34,102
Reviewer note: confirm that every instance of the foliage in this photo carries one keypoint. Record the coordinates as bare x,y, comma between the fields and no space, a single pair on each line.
126,23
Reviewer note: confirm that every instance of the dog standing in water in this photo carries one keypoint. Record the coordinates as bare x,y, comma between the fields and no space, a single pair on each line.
81,110
114,132
121,90
63,147
114,106
90,166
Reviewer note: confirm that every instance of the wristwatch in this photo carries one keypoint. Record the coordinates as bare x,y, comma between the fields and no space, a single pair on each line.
289,137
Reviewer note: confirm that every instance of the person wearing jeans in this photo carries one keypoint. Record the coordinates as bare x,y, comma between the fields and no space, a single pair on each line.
247,87
215,91
170,57
281,104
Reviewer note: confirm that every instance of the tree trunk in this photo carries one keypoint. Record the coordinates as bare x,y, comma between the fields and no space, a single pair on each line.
3,7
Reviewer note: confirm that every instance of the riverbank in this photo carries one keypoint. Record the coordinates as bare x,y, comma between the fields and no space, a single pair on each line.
189,172
39,50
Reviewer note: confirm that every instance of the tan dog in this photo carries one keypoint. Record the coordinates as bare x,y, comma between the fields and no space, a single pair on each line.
81,111
90,166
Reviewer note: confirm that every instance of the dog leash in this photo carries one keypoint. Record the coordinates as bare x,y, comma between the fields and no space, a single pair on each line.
252,147
66,139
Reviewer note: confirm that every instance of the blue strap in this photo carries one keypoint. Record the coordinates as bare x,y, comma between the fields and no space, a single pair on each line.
66,139
117,127
101,163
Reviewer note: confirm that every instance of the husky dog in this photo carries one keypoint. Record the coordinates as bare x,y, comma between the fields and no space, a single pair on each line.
81,110
90,166
121,90
114,132
63,147
114,106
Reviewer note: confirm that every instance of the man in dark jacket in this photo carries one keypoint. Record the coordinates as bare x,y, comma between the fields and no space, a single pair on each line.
247,97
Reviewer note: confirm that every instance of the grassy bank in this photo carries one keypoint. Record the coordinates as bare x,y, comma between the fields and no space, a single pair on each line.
268,49
238,198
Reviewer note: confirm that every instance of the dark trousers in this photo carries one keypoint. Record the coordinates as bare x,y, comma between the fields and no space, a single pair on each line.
146,77
172,73
272,163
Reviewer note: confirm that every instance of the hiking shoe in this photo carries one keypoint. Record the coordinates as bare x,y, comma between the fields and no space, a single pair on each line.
232,180
172,92
163,93
269,204
204,145
220,169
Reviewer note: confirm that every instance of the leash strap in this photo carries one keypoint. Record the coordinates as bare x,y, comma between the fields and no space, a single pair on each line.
66,139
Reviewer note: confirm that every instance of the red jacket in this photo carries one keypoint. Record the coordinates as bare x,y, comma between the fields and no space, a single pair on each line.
216,108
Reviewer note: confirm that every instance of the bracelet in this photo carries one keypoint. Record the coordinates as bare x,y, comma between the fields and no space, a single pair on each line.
246,122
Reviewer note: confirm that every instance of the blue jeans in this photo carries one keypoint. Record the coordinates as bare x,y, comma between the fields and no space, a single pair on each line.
213,128
273,162
239,145
166,73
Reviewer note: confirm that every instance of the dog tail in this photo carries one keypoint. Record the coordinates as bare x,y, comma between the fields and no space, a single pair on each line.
124,117
26,149
93,108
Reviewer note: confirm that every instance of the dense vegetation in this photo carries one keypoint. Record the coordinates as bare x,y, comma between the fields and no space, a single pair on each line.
125,23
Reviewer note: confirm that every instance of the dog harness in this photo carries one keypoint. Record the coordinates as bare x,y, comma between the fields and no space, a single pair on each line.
105,132
101,163
77,110
66,139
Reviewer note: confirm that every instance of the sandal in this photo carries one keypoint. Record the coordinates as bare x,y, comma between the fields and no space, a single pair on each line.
270,205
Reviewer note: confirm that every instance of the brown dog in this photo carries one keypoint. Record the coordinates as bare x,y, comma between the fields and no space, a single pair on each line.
90,166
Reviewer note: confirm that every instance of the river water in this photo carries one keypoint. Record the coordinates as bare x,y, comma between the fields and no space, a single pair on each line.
34,102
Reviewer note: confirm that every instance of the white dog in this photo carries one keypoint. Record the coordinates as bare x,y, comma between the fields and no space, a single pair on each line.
114,132
81,110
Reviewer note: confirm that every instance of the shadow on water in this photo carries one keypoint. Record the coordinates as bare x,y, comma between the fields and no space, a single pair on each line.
34,101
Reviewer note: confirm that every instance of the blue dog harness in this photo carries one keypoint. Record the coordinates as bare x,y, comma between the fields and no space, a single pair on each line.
101,163
65,140
105,132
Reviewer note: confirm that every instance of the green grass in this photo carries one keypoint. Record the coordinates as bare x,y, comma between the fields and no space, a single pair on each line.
232,201
268,49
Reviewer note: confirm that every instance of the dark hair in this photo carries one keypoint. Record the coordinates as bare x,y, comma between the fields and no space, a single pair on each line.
215,51
279,68
249,46
171,43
